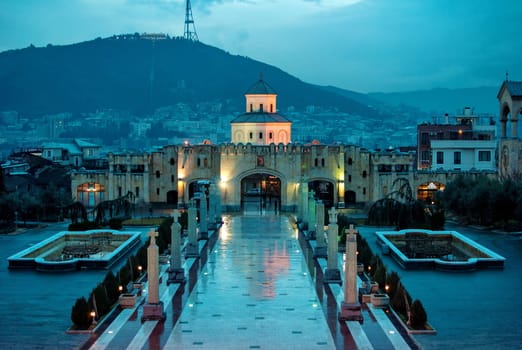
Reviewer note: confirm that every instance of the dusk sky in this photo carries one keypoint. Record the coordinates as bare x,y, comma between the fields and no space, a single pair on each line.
361,45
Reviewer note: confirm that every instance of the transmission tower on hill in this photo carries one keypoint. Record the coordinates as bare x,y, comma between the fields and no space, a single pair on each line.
190,28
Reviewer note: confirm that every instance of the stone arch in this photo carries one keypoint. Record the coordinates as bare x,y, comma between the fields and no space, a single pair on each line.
325,190
426,191
273,187
90,194
510,107
172,197
239,136
350,197
283,137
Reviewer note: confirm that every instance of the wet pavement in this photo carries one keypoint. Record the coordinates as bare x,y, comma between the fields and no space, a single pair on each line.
254,292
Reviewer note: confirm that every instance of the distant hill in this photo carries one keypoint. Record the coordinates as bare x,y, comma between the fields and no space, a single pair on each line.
440,101
139,75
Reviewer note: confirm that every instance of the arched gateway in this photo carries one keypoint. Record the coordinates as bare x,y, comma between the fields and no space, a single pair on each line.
260,192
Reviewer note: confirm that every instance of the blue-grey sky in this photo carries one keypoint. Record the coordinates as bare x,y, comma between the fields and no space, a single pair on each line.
362,45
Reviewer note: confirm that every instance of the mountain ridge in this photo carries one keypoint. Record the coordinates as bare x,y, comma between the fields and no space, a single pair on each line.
141,75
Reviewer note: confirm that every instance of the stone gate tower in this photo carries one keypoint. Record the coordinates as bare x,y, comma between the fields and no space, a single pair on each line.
510,145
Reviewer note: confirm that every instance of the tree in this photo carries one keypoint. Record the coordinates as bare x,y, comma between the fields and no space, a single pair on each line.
380,275
401,301
81,313
392,281
111,286
418,317
99,294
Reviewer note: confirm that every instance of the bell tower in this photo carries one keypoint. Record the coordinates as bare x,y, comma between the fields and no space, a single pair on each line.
261,124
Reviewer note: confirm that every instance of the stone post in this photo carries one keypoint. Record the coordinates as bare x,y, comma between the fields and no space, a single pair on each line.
212,199
332,273
350,308
303,201
153,309
320,248
192,249
176,272
311,215
203,217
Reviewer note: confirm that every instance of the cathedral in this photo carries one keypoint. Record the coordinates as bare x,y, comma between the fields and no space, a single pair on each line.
262,167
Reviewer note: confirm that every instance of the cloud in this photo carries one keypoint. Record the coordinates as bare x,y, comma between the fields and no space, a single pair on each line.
364,45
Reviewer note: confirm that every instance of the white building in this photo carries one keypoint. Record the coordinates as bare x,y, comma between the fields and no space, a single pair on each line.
471,149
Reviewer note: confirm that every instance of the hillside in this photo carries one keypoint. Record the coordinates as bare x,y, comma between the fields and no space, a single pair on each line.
440,101
139,75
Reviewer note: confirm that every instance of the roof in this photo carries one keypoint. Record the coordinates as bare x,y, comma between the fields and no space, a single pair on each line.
261,87
513,87
83,144
260,117
70,147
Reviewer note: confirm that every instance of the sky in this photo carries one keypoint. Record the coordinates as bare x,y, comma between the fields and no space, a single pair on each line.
360,45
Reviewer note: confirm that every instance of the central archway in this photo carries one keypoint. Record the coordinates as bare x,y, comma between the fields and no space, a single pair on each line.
260,192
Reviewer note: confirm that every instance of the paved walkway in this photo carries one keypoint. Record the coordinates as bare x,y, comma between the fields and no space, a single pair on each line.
254,292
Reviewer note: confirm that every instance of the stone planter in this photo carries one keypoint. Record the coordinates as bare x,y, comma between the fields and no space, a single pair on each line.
380,300
127,300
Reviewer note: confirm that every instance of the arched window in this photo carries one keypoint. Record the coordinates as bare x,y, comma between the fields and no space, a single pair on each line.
172,161
157,174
